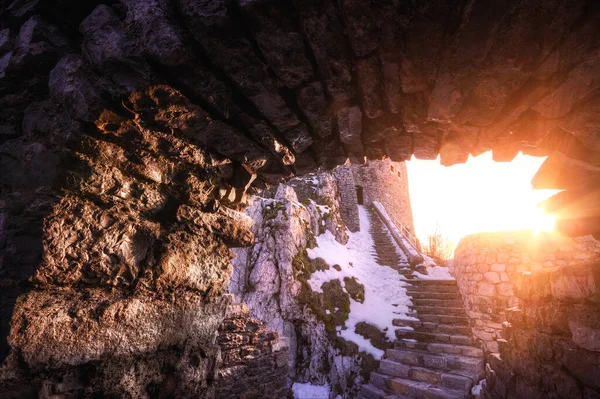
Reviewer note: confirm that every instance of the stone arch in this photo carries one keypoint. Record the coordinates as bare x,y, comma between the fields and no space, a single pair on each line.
131,133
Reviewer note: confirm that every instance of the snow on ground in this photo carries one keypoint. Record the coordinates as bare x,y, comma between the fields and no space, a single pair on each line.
399,251
435,273
385,295
476,390
309,391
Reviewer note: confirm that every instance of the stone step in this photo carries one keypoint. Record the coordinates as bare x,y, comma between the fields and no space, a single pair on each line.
447,379
442,318
444,328
439,348
392,368
434,337
445,362
381,384
433,288
418,325
439,310
434,282
423,390
370,391
419,294
453,303
406,323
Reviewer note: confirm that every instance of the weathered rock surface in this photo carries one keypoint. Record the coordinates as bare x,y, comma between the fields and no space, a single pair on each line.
533,303
271,279
130,132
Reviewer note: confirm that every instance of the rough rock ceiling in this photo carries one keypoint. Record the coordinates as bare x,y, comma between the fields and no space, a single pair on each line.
287,86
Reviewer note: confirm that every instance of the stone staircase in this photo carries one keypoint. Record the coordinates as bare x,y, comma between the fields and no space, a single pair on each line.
435,360
386,252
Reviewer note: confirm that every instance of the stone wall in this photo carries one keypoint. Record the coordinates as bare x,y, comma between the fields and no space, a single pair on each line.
348,201
551,345
386,182
254,361
486,264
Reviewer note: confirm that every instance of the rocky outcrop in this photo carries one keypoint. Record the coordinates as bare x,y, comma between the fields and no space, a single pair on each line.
532,302
271,278
487,264
555,329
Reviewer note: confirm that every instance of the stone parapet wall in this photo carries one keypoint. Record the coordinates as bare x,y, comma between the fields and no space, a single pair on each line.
485,266
551,345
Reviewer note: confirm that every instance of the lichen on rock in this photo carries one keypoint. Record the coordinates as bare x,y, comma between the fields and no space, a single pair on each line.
272,278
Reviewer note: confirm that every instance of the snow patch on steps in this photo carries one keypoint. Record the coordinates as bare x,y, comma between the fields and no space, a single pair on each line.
385,292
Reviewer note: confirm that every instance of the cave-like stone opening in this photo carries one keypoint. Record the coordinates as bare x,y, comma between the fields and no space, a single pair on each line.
132,132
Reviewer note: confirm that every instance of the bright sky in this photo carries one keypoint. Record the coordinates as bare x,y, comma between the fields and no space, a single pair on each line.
480,195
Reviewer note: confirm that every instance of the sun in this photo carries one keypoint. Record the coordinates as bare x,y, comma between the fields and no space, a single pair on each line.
479,196
542,222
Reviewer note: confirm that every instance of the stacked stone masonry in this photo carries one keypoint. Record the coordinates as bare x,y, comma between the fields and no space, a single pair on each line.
546,344
486,264
387,182
254,362
348,197
382,181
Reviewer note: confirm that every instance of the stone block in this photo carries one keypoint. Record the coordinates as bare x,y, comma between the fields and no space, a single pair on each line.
458,382
492,277
498,267
394,368
505,289
486,289
577,283
586,332
425,375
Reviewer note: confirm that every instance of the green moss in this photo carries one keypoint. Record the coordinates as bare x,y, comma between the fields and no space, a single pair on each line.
355,289
372,333
306,201
271,211
346,348
304,266
325,201
332,306
368,364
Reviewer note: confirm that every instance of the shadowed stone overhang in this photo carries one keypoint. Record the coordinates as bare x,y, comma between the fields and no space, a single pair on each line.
131,131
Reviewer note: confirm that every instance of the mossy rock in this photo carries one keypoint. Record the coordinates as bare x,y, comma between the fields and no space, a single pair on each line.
378,338
368,364
346,348
272,210
355,289
306,266
325,201
332,306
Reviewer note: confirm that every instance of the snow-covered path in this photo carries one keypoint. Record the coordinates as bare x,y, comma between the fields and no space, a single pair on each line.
385,292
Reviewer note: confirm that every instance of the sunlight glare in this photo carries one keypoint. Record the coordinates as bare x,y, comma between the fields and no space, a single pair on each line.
479,196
